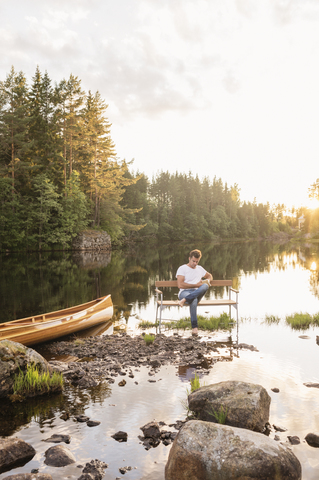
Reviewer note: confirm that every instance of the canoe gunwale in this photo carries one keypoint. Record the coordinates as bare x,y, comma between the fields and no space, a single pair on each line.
32,331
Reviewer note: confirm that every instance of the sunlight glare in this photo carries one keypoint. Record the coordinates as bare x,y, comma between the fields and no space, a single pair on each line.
312,203
313,266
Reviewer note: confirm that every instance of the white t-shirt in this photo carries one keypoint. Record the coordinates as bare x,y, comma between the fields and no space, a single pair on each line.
191,275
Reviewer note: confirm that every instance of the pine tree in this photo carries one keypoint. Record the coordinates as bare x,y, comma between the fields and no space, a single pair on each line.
97,149
14,123
42,128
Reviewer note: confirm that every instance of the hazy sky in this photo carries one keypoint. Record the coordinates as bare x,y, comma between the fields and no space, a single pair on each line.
225,88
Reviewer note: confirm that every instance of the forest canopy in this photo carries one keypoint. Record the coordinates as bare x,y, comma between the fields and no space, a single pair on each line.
59,174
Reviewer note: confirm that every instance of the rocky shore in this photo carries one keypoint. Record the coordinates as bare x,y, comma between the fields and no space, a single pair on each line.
196,445
95,359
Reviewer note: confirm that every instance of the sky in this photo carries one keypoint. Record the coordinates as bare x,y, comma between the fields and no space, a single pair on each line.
219,88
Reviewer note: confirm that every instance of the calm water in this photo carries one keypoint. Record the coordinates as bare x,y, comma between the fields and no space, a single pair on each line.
273,280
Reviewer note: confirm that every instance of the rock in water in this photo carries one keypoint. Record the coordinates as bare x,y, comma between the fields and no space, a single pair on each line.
206,451
13,452
247,405
58,456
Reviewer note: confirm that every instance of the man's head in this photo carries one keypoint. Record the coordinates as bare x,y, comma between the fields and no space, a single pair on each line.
195,253
194,258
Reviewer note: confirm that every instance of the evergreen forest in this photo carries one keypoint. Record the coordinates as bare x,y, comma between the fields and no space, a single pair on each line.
59,175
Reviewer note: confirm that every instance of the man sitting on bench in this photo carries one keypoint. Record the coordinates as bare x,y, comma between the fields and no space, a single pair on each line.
192,287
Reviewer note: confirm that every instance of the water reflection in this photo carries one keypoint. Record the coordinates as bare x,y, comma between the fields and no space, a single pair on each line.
44,410
32,284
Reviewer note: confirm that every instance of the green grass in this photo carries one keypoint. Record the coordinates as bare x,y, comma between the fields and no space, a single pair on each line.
149,339
223,322
301,321
195,385
220,414
32,382
147,324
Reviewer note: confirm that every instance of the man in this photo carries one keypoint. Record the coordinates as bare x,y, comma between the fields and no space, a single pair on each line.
192,287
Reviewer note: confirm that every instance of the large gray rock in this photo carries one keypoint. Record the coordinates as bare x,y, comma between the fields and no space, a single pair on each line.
14,358
247,404
14,452
58,456
208,451
92,240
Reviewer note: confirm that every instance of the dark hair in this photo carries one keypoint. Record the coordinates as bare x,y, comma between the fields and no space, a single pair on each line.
195,253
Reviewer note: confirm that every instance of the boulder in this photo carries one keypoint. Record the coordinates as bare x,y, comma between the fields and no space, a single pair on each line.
246,404
206,451
58,456
15,357
14,452
92,240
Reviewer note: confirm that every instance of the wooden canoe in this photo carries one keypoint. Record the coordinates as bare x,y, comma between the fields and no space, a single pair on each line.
49,326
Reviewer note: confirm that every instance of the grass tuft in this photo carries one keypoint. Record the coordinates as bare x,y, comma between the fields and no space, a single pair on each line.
32,382
270,319
149,338
223,322
300,321
147,324
195,385
220,414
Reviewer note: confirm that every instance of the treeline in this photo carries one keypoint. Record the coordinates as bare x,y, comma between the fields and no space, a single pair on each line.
180,207
59,174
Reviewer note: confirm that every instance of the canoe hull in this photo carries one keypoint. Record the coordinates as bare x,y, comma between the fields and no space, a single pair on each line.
43,328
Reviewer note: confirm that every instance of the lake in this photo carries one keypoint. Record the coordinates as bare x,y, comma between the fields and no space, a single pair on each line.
274,281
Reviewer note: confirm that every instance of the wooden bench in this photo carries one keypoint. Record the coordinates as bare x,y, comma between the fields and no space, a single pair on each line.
161,303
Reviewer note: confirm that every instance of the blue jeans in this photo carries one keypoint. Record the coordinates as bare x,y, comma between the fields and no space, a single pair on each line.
193,297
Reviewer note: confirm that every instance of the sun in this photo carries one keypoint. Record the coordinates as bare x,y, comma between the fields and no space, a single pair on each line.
312,203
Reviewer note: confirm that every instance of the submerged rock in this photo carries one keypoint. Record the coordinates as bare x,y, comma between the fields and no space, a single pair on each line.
56,438
58,456
245,405
206,451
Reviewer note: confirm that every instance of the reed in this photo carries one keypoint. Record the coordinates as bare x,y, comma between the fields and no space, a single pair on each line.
300,321
272,319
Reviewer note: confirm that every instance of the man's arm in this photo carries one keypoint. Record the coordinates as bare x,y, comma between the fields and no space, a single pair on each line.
209,276
181,283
